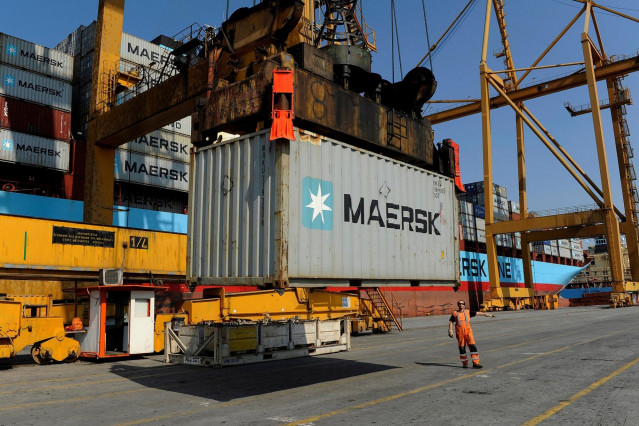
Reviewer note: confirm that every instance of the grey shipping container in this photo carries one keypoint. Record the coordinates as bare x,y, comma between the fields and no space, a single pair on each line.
153,171
142,52
161,143
21,84
33,57
182,126
315,211
28,149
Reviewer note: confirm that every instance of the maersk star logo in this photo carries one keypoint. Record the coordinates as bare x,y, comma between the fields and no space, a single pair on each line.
317,204
12,50
7,145
9,80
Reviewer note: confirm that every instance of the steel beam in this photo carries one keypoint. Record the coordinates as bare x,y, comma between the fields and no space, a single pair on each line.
591,217
542,89
565,233
613,236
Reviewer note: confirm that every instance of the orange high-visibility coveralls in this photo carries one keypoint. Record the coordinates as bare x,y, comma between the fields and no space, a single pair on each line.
464,334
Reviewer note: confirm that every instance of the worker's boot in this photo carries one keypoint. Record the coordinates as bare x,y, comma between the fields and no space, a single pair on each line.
478,366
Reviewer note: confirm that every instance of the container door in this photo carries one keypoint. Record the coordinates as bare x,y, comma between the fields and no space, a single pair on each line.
141,323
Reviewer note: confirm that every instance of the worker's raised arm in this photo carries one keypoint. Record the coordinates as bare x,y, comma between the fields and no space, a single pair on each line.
485,314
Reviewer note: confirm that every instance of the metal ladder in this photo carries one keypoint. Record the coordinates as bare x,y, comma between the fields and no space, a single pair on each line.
383,309
622,96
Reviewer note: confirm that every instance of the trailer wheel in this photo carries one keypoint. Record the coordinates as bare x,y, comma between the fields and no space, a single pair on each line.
72,358
37,357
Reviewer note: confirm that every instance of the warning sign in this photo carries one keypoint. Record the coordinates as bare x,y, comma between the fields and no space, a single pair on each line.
83,237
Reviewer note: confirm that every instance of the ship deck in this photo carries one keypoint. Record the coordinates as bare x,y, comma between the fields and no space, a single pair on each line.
568,366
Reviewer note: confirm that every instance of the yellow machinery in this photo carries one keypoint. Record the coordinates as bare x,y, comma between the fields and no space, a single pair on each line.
28,320
278,305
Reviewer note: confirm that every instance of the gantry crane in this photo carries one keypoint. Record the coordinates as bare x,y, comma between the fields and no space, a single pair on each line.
607,220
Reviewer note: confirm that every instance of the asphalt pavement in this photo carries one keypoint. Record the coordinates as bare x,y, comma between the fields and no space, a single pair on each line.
572,366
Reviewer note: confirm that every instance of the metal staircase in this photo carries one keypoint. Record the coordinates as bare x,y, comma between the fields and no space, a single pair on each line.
382,309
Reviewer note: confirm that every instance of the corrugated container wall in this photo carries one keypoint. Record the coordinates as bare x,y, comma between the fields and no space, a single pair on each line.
28,149
17,83
33,57
161,143
38,120
154,171
317,212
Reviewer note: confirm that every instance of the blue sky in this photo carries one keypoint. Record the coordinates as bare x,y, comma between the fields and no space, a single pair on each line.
532,25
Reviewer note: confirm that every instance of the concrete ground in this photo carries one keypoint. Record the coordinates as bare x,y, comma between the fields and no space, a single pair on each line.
572,366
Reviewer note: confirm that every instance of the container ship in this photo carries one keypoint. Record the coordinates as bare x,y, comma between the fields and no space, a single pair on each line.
44,154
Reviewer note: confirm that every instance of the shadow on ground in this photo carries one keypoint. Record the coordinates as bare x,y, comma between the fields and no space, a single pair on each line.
229,383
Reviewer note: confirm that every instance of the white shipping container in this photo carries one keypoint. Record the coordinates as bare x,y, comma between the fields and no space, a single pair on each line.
578,255
480,223
316,211
152,171
564,244
481,235
27,149
565,252
469,234
161,143
554,250
33,57
465,207
142,52
182,126
575,244
21,84
467,220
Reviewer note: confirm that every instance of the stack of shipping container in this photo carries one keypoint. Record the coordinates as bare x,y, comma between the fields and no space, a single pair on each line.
152,171
35,117
473,226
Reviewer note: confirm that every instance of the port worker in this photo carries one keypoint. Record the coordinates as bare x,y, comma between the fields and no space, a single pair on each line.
461,320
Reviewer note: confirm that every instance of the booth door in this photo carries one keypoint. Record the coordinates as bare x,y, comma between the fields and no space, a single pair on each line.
141,322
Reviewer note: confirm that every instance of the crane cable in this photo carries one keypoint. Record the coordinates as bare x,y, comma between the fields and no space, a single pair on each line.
452,28
430,58
399,53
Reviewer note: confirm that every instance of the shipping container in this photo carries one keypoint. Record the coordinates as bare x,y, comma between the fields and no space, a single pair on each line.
34,119
21,84
142,52
72,44
564,243
316,211
469,234
554,250
481,236
150,198
478,188
467,220
517,240
33,57
480,223
504,240
163,144
578,255
479,211
465,207
575,244
182,126
565,252
153,171
34,150
513,207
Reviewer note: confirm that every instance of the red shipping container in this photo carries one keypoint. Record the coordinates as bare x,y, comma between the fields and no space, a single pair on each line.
34,119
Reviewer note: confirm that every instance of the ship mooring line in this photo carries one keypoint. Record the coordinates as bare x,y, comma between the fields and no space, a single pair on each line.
579,394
